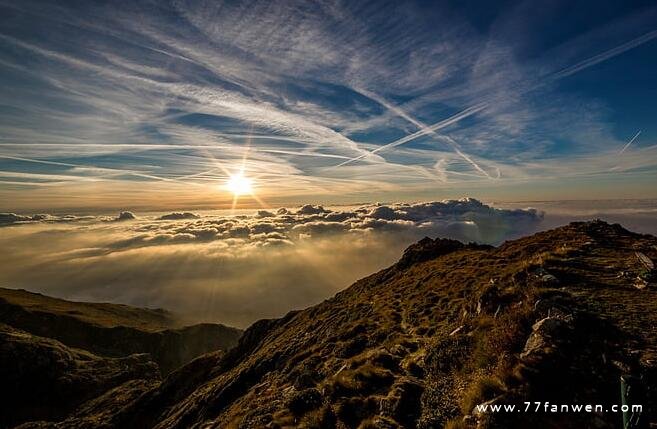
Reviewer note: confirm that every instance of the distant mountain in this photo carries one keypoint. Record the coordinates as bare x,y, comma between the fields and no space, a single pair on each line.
114,330
557,317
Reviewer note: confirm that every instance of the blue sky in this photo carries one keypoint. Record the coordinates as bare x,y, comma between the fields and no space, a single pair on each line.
156,103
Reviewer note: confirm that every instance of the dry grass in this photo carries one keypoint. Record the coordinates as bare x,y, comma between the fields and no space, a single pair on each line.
362,380
101,314
456,424
481,390
401,324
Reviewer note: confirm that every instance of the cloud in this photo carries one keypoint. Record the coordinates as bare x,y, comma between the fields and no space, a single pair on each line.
482,222
123,216
309,209
236,269
13,218
179,216
9,218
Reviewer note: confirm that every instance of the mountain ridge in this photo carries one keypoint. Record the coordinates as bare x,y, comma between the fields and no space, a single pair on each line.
556,316
113,330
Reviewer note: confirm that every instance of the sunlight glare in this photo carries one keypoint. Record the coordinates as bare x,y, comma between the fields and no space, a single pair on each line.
238,184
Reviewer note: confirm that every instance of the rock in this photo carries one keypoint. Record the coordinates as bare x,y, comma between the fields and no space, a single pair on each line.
546,334
546,277
645,261
549,280
640,283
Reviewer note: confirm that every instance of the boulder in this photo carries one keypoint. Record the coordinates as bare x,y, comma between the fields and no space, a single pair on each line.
546,335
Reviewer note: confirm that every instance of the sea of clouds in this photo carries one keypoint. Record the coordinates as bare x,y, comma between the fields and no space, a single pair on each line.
233,268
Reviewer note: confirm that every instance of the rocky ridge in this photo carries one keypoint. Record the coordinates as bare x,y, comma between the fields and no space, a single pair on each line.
555,317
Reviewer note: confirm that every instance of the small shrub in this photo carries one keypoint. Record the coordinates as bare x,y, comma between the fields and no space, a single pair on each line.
365,379
480,391
352,347
456,424
378,422
304,400
354,410
323,418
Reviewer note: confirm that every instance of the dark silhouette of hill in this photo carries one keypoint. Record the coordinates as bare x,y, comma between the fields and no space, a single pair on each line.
557,317
114,330
44,379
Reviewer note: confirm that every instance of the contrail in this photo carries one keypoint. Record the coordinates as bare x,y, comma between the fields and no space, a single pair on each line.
629,143
422,126
438,125
568,71
605,55
109,170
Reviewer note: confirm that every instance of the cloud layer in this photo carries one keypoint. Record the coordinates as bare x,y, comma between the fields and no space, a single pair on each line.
235,269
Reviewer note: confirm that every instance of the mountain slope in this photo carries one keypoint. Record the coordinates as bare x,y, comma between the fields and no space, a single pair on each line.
102,314
113,330
44,379
552,317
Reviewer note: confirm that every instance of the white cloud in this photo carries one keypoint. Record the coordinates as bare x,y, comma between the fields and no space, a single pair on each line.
234,269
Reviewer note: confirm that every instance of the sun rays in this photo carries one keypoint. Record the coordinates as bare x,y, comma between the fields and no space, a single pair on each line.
239,184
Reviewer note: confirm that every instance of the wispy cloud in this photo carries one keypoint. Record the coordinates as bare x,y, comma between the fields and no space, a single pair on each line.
424,129
172,93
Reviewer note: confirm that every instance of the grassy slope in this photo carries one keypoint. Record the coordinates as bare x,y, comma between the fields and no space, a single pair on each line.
421,343
100,314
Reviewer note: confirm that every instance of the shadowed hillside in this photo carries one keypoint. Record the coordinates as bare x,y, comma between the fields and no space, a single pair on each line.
114,330
44,379
559,316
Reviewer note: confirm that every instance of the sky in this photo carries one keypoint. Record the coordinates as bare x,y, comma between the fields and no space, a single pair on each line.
142,105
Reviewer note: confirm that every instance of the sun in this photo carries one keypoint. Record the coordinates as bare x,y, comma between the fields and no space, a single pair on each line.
238,184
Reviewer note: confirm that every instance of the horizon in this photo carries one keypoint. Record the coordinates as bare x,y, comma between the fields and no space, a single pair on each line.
160,106
404,213
236,267
479,122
